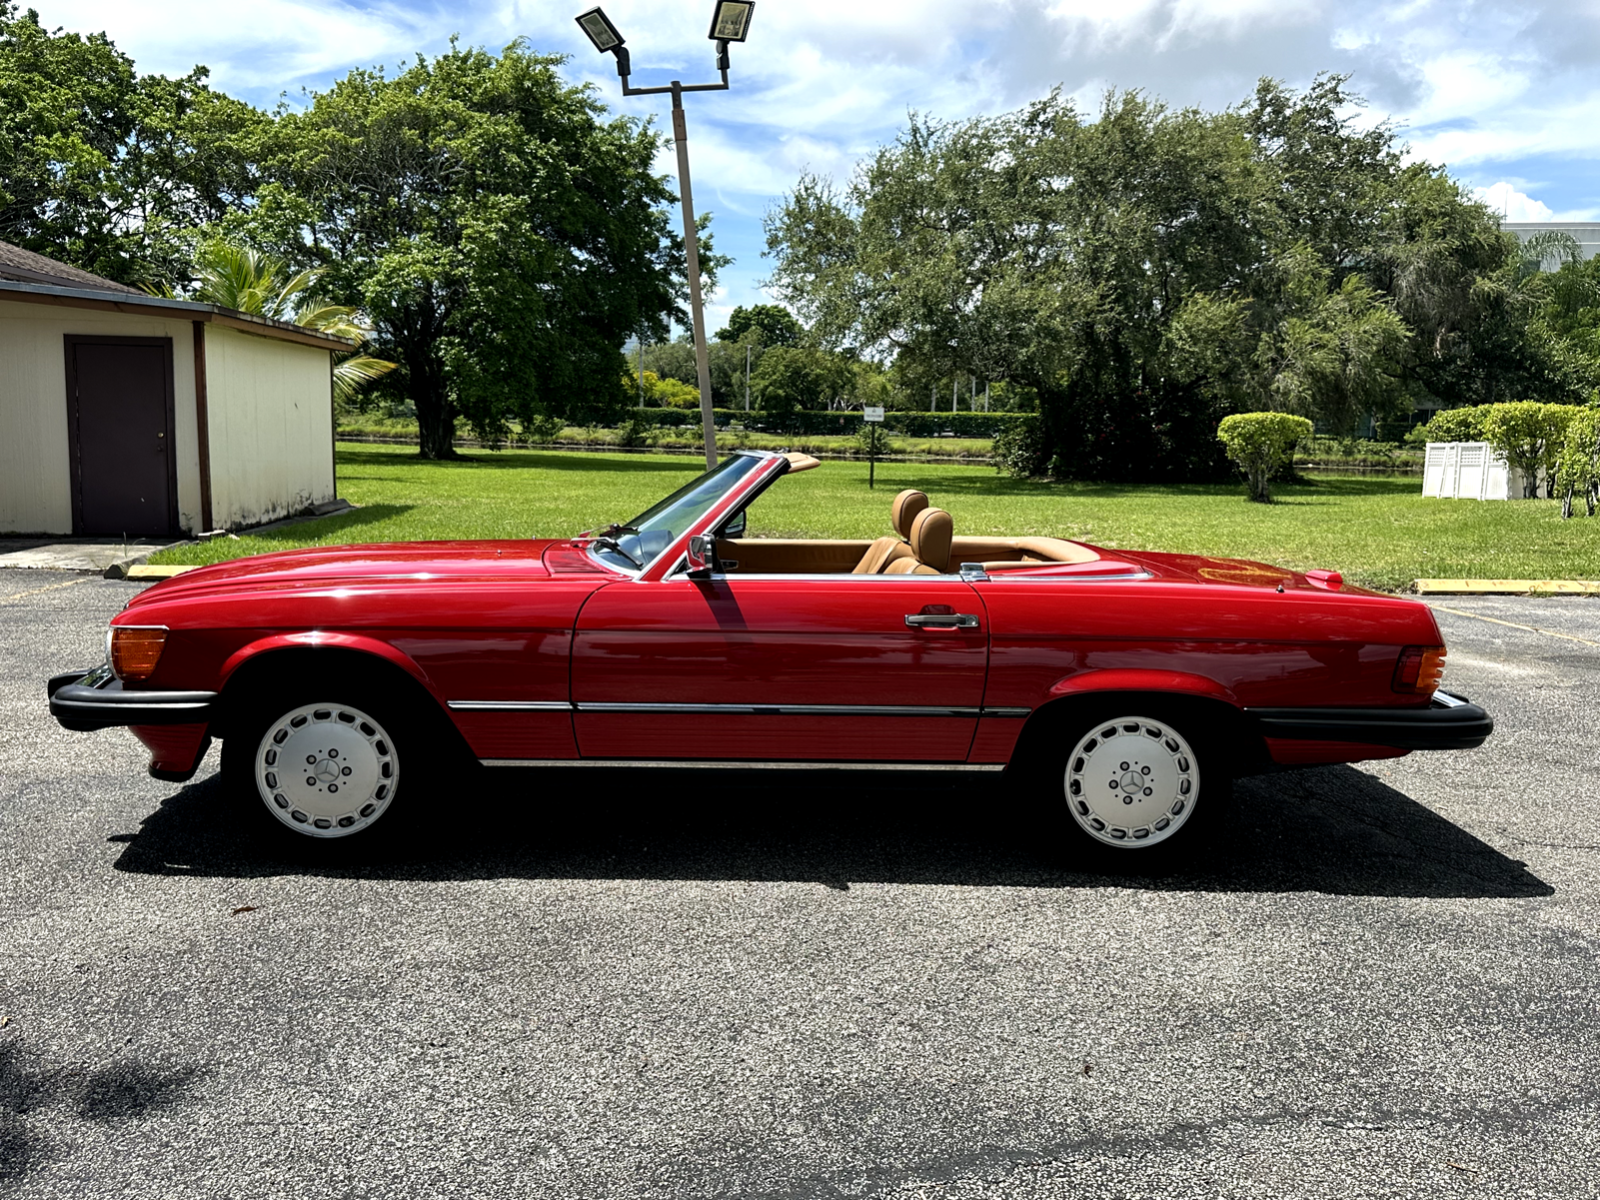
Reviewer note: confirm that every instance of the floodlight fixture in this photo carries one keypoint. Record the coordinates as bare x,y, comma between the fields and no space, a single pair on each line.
599,29
730,20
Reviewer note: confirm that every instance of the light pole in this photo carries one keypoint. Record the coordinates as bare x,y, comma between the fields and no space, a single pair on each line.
730,22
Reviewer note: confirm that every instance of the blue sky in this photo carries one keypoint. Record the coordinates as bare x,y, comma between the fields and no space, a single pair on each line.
1506,94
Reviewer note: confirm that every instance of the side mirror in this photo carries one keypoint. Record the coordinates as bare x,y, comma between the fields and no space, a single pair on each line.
702,556
737,524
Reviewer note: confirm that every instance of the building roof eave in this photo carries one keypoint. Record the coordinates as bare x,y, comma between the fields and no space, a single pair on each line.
160,306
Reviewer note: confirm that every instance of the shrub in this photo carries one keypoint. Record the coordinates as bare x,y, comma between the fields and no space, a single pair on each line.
1530,435
636,431
873,439
1019,448
1260,442
542,429
1459,424
1578,468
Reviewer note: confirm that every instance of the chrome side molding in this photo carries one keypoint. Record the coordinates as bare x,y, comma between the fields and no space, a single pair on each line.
737,710
734,765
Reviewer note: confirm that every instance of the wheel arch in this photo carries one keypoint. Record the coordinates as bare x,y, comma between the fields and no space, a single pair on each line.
1142,680
263,665
1220,721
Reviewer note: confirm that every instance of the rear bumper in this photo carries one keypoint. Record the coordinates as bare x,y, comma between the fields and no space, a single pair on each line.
90,700
1449,723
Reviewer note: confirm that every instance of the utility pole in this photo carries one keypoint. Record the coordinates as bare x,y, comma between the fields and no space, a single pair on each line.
691,247
730,22
747,377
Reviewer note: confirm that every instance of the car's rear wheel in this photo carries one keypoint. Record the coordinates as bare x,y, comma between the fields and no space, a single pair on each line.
322,767
1140,785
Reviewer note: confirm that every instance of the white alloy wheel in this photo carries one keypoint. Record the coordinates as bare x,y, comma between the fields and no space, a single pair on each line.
326,770
1132,782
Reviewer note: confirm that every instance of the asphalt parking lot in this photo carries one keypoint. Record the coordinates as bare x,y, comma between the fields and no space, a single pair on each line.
637,984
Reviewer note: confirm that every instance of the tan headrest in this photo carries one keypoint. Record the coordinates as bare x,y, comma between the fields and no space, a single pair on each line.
930,538
904,510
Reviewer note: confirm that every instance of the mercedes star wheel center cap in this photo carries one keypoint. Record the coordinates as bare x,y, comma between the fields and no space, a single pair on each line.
326,770
1132,782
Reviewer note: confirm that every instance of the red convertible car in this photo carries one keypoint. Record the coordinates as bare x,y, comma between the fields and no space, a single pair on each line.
1127,689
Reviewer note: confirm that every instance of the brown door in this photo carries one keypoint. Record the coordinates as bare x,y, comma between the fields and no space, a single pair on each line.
119,411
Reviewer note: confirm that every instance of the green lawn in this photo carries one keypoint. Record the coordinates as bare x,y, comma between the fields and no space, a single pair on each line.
1379,532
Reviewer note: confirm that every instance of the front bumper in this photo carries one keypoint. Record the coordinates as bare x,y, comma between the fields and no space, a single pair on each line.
1449,723
88,700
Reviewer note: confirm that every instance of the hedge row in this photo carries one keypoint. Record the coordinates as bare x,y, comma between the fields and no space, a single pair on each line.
908,424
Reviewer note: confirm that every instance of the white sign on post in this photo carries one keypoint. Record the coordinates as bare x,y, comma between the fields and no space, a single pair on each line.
869,413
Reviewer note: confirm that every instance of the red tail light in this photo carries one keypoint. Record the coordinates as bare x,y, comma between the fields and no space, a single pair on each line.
1419,670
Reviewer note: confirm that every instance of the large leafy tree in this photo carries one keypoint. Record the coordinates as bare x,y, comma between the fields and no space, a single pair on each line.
503,236
792,378
727,360
773,324
1147,271
107,169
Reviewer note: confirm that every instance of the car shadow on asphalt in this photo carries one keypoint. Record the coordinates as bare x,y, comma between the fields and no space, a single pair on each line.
1327,829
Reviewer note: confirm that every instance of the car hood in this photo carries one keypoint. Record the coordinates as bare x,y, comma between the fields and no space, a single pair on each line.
326,566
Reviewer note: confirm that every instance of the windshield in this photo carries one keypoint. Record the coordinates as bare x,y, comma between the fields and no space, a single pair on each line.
648,535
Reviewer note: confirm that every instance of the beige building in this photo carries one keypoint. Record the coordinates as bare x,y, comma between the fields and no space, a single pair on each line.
125,415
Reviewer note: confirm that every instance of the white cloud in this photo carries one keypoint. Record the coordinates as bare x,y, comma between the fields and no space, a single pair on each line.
1511,204
1497,90
265,45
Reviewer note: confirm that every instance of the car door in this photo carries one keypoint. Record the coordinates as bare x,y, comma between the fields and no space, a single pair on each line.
781,668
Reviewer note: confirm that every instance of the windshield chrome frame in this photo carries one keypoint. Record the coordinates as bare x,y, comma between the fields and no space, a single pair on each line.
654,568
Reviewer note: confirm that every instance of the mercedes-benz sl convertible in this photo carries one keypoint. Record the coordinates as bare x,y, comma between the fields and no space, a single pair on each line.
1124,689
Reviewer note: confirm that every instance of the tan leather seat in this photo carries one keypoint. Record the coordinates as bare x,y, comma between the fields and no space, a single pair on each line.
888,550
931,534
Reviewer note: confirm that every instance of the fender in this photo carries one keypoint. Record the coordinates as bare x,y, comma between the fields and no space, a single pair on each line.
318,640
1178,683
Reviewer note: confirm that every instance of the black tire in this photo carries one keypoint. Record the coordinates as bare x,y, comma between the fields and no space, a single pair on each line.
379,752
1132,783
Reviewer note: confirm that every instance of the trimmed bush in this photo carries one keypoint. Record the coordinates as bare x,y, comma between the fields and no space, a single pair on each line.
1459,424
1530,435
1578,468
1260,443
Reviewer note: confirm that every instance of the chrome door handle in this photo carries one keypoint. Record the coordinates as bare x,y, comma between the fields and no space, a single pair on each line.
941,621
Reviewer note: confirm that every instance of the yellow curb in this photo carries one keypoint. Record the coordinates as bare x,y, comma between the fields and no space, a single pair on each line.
1508,587
148,571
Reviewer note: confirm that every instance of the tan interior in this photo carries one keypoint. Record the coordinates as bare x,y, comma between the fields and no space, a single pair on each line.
930,545
905,509
886,550
930,548
804,556
789,556
1002,552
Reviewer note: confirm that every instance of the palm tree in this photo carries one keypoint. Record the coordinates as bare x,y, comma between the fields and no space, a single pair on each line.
248,281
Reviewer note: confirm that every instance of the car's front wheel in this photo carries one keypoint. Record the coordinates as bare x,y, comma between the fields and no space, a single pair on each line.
323,768
1137,782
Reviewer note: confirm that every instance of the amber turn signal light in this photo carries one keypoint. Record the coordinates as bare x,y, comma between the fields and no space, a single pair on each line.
135,652
1419,670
